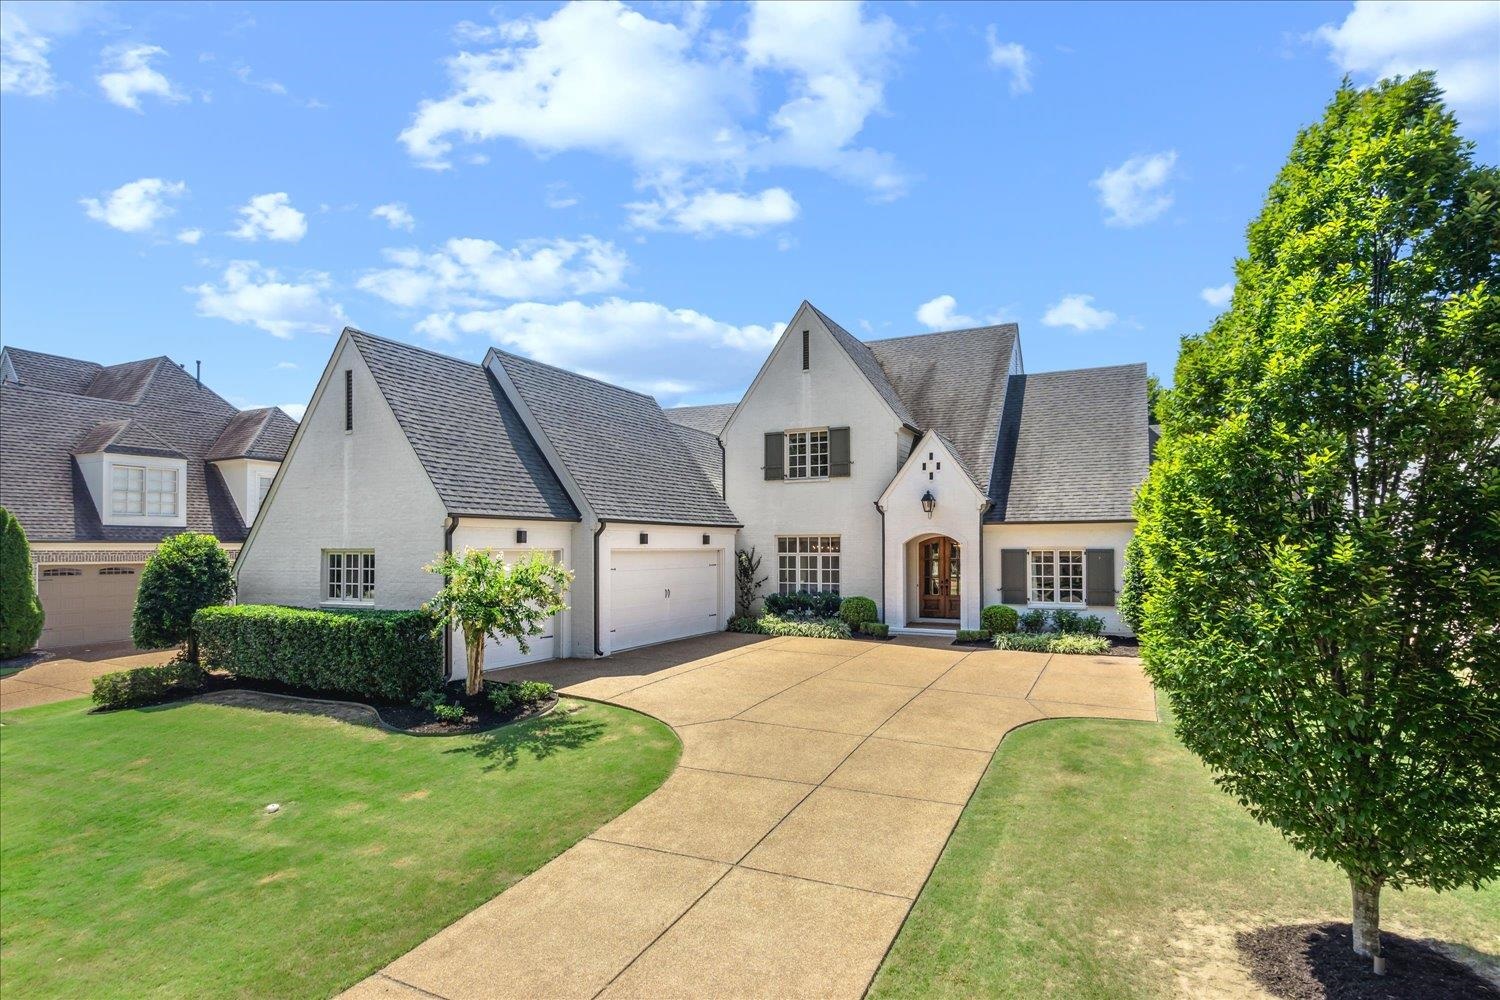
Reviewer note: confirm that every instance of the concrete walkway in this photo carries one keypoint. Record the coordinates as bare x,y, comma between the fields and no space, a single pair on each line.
819,782
70,673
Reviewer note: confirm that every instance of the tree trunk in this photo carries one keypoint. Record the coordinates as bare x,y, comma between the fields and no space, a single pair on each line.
1367,921
192,648
474,647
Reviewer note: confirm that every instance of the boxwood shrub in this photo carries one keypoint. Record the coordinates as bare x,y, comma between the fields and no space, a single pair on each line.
877,630
855,611
999,618
389,656
973,635
803,604
146,685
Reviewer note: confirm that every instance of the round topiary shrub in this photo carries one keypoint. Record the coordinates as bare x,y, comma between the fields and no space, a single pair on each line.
998,619
855,611
21,614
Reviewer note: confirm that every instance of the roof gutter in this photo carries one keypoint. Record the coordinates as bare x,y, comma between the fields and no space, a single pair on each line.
597,532
450,525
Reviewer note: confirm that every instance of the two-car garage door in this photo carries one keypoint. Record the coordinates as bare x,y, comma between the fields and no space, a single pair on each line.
656,596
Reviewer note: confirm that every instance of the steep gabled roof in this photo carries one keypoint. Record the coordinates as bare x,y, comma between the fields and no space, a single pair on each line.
710,418
264,433
125,383
704,448
865,360
1075,446
954,383
617,445
465,432
51,371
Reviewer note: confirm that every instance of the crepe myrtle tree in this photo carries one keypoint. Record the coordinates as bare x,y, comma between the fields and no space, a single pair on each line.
1320,531
485,597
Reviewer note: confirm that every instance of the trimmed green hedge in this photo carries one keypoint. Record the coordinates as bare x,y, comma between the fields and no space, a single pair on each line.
146,685
879,630
998,618
973,635
381,655
855,611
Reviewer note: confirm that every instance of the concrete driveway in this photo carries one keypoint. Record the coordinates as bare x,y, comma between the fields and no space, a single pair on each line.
70,673
819,782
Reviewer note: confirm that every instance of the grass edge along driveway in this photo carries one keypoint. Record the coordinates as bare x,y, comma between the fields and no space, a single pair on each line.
136,855
1097,859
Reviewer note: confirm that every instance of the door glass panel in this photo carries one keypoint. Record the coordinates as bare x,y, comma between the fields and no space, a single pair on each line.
952,569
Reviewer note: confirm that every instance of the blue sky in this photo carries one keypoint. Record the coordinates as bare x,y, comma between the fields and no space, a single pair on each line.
647,192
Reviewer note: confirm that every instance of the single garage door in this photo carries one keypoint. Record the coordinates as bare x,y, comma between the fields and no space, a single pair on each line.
508,653
658,596
87,605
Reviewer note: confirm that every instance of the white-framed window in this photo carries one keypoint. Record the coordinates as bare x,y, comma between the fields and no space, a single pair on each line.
349,576
136,490
807,454
807,562
265,488
1055,576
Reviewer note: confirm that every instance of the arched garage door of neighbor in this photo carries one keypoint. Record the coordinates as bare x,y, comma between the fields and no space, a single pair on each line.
656,596
87,605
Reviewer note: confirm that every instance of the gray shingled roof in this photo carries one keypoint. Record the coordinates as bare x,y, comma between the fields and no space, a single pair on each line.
864,359
264,433
1075,446
706,451
618,446
465,432
46,415
127,436
954,383
710,418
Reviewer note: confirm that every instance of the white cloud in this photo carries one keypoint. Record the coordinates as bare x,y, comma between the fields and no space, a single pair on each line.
1458,40
252,295
714,211
246,76
27,31
129,76
1077,311
395,214
189,236
559,195
1218,297
270,216
1133,193
286,366
942,313
470,272
295,410
666,96
135,207
615,334
1013,58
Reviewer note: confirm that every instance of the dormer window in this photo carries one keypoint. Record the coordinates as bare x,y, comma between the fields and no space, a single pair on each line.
807,454
142,492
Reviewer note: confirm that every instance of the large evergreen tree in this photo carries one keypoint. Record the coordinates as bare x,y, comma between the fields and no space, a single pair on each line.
21,616
1320,532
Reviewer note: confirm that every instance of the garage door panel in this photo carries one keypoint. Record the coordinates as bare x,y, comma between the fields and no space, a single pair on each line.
87,604
660,596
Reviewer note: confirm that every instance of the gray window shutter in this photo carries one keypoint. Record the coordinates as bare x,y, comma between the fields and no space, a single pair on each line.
775,454
1099,571
838,451
1012,576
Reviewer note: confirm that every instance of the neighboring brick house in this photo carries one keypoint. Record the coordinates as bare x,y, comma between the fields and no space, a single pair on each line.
100,463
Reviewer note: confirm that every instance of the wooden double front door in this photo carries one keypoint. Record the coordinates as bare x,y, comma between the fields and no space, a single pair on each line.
940,574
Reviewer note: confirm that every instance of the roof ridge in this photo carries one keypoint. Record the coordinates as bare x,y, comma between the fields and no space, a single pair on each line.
943,333
412,347
1090,368
586,378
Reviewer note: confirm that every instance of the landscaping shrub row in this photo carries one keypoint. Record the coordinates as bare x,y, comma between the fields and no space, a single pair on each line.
381,655
1038,621
146,685
769,624
1071,642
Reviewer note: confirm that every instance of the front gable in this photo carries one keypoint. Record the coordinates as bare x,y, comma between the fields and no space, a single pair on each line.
934,468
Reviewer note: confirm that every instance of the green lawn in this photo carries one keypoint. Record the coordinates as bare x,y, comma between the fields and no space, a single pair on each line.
1097,859
136,856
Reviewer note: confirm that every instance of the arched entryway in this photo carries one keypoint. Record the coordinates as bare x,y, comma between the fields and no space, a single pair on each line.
939,590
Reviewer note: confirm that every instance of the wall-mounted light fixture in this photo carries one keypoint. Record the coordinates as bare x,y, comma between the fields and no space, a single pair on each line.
929,502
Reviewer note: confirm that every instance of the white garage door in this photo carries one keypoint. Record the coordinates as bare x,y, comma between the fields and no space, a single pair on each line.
508,653
87,605
657,596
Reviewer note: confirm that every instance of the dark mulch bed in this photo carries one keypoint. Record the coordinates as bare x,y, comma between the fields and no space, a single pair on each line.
479,714
1316,962
24,660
